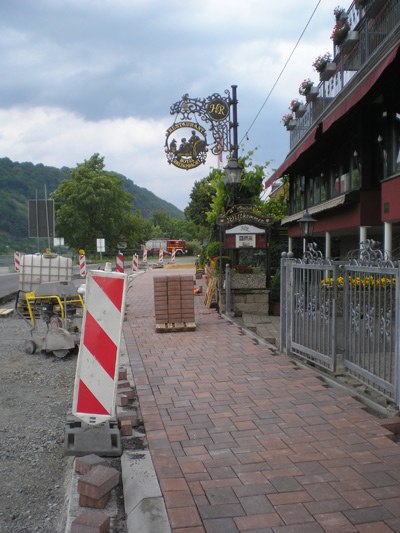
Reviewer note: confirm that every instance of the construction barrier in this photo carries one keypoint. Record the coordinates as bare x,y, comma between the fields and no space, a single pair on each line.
161,256
17,261
119,267
97,367
144,255
173,257
82,265
135,263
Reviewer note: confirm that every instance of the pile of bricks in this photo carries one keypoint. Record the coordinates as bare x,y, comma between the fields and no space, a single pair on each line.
174,303
127,413
94,488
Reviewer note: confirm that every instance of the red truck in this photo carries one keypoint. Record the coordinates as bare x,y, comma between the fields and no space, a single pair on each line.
168,245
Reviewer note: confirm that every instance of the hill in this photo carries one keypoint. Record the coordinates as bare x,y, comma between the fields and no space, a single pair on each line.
20,182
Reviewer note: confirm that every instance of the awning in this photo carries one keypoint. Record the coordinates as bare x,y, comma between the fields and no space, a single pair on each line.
357,93
330,204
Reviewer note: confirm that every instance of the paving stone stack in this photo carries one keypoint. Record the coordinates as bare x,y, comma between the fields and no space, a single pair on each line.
174,303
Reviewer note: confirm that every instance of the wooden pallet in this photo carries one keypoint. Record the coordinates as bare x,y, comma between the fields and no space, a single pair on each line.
6,312
175,326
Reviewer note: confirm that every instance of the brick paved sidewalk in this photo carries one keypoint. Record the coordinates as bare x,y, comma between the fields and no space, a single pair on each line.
245,440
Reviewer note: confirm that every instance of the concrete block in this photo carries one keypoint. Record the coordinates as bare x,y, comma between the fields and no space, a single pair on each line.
91,522
98,482
83,439
123,383
84,464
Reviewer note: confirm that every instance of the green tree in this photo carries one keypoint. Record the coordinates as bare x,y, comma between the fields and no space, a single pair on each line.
92,204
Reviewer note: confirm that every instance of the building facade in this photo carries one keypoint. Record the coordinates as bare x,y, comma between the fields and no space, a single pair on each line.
344,160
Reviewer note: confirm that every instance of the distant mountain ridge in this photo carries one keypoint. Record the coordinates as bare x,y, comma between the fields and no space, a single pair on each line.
20,182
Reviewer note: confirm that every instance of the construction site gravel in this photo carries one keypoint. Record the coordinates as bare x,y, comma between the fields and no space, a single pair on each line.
35,396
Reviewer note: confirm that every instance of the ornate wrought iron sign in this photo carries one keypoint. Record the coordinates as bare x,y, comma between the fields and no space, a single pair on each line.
243,214
186,143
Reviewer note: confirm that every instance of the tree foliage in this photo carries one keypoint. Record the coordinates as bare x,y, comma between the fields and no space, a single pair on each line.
92,204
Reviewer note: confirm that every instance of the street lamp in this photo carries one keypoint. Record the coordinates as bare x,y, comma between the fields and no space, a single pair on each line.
232,170
307,223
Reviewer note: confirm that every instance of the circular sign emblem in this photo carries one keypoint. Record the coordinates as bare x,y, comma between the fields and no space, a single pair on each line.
187,148
218,109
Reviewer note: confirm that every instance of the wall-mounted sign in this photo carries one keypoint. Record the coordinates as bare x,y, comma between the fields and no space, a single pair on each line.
186,145
245,241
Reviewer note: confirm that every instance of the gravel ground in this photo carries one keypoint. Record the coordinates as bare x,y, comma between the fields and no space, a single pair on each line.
35,396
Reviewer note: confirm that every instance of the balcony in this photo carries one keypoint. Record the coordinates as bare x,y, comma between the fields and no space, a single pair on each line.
371,30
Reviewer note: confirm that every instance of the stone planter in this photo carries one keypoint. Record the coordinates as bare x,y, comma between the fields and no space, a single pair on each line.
248,281
312,94
328,71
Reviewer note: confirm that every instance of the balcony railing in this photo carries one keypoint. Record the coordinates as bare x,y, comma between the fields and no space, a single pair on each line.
370,28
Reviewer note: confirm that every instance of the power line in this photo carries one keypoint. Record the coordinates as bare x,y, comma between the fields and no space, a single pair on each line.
280,74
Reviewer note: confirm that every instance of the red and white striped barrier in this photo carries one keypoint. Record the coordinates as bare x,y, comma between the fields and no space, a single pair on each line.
135,263
173,257
161,256
144,255
97,367
82,265
17,261
119,267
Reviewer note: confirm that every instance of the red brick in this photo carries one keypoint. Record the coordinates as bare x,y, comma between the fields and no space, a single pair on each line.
94,503
122,374
128,391
98,482
122,400
126,428
84,464
91,522
123,383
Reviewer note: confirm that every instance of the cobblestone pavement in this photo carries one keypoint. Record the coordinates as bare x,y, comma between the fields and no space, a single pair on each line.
243,439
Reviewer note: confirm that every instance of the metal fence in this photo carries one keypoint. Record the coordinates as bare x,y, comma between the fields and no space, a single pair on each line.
344,316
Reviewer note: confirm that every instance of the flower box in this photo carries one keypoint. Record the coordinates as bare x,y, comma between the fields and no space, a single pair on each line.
312,95
350,41
328,71
290,125
300,111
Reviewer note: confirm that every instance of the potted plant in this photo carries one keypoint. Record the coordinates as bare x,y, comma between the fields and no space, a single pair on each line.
308,90
325,66
289,121
340,31
340,13
297,107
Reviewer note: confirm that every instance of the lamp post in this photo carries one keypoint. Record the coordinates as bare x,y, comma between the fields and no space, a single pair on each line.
232,170
307,223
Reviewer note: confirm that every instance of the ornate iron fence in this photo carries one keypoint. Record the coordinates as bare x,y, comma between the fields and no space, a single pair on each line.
344,316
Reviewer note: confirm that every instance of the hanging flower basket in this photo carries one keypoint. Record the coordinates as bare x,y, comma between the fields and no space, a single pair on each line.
340,13
294,105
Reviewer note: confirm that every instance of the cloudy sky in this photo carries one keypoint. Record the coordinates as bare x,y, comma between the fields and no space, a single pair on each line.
80,77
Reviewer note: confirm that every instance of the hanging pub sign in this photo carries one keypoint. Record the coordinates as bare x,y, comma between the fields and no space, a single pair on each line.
186,143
